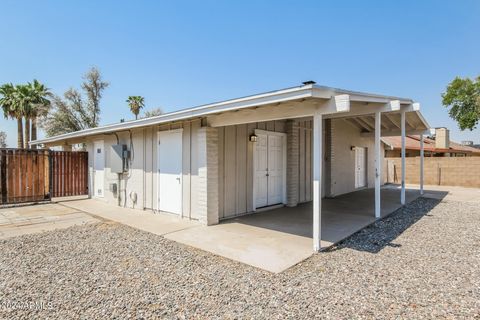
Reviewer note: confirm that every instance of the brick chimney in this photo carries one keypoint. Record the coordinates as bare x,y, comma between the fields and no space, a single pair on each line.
442,138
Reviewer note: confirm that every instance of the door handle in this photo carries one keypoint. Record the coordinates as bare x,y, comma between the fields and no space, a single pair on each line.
178,179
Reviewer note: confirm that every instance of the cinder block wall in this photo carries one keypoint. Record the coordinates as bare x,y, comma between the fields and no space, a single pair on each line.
208,175
454,171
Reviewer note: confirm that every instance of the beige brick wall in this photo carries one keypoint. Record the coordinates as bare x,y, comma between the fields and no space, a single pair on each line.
292,163
208,175
455,171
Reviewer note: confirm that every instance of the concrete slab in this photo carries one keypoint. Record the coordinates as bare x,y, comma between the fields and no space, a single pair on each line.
17,221
277,239
263,248
156,223
449,193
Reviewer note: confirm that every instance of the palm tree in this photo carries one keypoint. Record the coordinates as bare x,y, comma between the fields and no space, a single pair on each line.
25,101
23,108
39,104
136,103
11,109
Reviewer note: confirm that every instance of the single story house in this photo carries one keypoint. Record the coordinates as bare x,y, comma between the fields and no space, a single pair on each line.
436,145
239,156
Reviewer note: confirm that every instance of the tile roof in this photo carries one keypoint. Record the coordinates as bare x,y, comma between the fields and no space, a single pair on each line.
412,142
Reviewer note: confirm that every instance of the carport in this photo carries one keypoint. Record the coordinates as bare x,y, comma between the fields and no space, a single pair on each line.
277,239
325,146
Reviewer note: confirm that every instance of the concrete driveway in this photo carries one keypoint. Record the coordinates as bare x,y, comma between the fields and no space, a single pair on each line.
17,221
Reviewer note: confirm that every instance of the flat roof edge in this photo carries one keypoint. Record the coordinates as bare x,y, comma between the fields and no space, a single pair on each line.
292,93
204,110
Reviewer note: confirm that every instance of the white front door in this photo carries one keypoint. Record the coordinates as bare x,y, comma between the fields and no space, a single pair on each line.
269,169
170,171
360,167
98,168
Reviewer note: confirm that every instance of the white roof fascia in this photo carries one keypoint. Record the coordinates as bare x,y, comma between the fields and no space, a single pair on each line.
294,93
235,104
419,114
328,92
387,143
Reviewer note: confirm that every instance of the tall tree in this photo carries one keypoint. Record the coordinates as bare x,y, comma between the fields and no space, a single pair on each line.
152,113
11,107
93,85
136,103
73,112
3,139
40,104
463,98
22,99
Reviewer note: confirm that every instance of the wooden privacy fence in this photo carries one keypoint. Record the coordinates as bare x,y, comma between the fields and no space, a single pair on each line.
69,173
30,175
24,175
446,171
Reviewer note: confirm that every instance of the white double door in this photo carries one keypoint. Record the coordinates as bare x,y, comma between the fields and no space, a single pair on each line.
360,167
170,171
270,168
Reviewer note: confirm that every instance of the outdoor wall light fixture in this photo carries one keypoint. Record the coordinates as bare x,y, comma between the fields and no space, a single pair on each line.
352,148
253,138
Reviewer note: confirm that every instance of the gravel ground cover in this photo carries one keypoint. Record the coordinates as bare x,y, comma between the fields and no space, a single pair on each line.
421,262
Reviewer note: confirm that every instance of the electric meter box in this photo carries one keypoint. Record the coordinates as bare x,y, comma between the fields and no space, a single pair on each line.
119,158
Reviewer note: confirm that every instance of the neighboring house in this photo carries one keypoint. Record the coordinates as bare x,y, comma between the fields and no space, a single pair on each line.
470,144
438,145
234,157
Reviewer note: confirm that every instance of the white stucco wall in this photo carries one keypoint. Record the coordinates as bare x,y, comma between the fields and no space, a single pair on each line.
233,189
142,177
131,182
344,136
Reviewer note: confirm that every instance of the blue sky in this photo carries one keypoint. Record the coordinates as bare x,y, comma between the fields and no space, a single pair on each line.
180,54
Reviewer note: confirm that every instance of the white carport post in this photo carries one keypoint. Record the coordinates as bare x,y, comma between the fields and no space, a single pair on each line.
317,180
378,164
402,193
421,163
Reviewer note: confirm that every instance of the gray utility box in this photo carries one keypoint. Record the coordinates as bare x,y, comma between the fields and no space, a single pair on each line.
113,189
119,158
